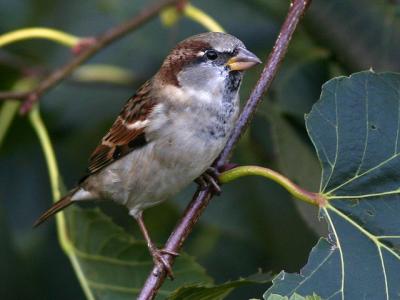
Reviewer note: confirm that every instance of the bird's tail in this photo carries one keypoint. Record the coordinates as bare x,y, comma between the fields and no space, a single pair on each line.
56,207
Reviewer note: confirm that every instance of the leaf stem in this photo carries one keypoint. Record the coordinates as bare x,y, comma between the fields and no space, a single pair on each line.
54,174
57,189
199,16
52,168
292,188
93,73
171,16
58,36
48,151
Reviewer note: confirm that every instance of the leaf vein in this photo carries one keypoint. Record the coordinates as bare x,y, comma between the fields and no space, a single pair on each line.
366,125
337,138
363,174
339,248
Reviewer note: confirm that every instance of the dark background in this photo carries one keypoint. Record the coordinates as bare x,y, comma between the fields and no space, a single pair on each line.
254,224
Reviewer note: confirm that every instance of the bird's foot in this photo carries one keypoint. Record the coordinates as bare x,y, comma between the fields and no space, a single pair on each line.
209,178
158,254
160,261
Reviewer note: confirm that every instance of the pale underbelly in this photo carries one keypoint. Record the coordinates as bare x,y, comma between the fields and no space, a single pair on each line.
152,174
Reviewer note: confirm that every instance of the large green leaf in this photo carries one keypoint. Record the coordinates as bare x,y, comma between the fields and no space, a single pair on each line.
111,264
355,129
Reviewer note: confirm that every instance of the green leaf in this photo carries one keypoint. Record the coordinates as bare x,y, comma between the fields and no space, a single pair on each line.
216,292
323,263
293,297
111,264
355,129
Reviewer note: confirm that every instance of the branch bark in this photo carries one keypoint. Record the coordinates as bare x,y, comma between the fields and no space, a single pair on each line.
89,50
202,198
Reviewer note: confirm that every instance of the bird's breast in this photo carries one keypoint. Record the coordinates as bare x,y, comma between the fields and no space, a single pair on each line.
193,131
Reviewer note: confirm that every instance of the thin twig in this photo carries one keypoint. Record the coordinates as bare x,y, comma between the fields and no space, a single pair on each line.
92,48
202,198
14,95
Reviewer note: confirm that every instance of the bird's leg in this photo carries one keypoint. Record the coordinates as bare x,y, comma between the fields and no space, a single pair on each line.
201,182
156,253
209,178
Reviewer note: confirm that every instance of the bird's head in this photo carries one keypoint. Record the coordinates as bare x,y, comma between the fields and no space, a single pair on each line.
206,61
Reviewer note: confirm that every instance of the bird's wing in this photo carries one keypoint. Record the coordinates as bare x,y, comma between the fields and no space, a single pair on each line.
127,132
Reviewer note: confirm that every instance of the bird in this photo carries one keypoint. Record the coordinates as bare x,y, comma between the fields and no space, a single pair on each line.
169,132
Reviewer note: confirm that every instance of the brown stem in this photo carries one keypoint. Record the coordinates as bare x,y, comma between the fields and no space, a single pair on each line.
14,95
202,198
99,43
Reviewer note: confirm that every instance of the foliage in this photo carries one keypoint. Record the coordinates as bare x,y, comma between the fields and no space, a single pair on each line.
359,178
293,297
203,292
113,264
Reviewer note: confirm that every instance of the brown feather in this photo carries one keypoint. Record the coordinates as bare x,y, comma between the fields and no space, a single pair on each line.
183,54
120,139
56,207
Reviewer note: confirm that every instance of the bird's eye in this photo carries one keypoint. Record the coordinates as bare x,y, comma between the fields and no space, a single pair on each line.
211,54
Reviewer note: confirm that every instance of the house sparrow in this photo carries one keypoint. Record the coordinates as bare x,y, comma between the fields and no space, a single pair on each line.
170,132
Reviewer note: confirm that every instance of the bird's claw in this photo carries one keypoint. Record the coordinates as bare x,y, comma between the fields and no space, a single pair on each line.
161,262
209,178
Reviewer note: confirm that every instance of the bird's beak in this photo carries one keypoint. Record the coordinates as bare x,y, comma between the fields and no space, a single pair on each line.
243,60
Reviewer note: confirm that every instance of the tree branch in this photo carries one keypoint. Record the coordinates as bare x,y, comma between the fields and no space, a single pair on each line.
92,47
202,198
